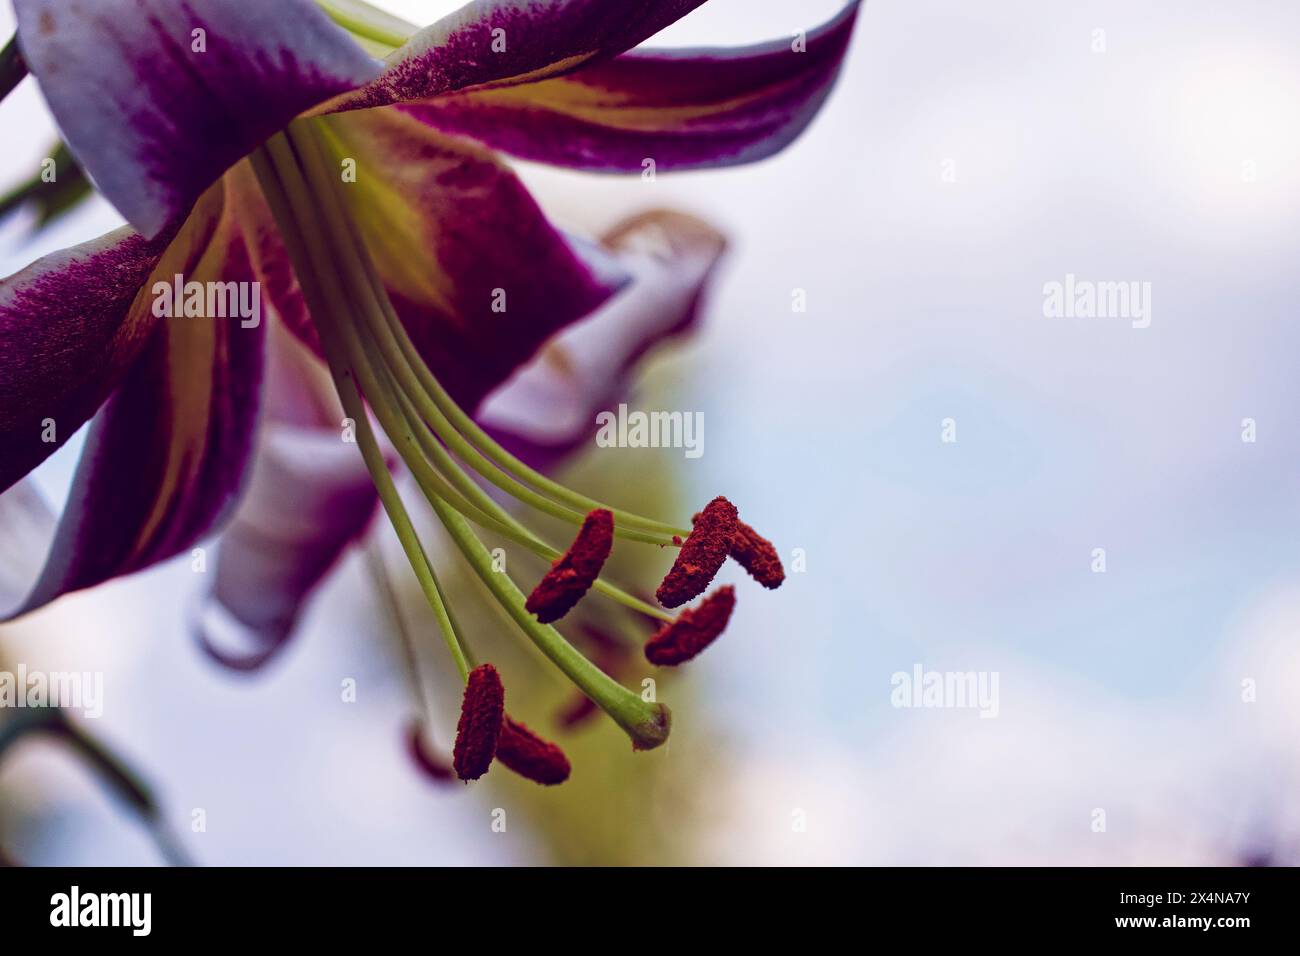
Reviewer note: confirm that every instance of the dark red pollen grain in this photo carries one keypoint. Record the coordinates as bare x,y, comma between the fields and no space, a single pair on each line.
701,555
432,765
575,571
479,730
530,756
694,630
757,555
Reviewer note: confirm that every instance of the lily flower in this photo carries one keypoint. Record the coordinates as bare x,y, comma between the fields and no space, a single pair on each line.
263,148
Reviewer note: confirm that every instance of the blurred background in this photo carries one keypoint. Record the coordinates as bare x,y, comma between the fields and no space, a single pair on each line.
969,156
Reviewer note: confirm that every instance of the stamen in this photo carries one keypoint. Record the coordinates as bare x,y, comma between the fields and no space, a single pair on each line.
647,723
384,371
757,555
344,295
530,756
279,176
481,712
572,575
693,631
612,656
702,554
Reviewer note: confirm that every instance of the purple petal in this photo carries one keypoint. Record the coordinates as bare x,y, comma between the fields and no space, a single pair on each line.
515,41
166,456
549,407
68,333
310,497
682,109
477,274
154,119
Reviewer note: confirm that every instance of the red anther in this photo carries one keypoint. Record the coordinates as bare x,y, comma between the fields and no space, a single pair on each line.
701,555
574,572
530,756
694,630
432,765
479,730
757,555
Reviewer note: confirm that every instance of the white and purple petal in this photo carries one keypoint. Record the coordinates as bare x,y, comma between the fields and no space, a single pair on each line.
166,456
156,98
548,408
681,109
68,333
496,42
310,497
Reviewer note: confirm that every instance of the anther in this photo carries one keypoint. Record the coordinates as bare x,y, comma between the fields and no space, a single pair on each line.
530,756
694,630
701,555
479,730
757,555
575,571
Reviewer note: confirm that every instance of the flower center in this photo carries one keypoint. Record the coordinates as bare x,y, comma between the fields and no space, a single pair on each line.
370,355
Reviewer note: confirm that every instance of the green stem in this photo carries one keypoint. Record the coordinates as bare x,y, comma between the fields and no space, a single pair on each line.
110,768
510,527
277,172
52,199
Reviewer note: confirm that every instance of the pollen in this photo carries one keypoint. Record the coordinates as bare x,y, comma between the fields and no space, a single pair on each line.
694,630
574,572
530,756
481,712
757,555
701,555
